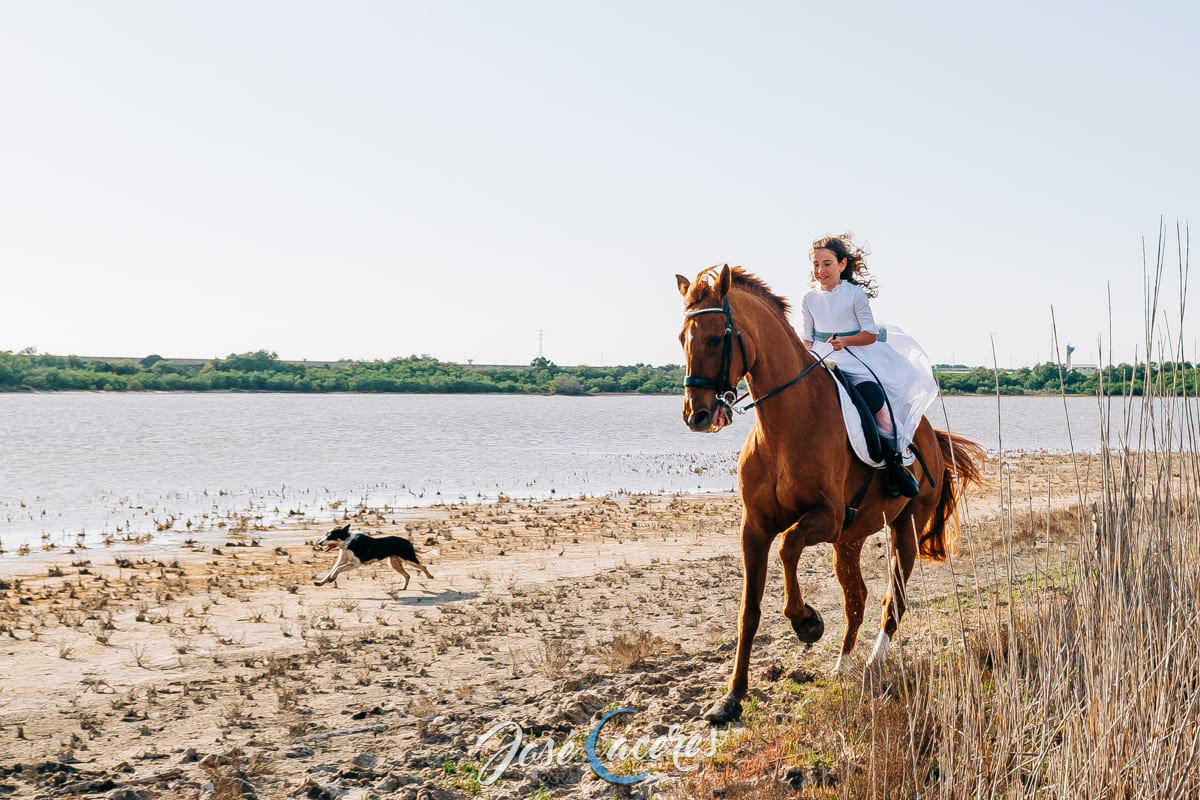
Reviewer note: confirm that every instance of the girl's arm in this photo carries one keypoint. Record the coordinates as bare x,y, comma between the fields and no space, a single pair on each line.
867,333
857,340
807,327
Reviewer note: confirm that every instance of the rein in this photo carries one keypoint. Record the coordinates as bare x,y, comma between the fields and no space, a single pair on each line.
726,391
743,409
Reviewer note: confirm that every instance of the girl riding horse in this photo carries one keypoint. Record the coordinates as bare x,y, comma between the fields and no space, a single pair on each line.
893,376
797,475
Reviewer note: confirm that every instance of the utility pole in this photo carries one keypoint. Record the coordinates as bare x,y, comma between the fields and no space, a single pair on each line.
540,332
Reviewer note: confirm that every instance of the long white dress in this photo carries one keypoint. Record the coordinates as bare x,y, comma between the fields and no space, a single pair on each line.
895,360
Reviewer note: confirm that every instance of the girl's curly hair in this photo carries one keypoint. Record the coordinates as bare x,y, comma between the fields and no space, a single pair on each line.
856,271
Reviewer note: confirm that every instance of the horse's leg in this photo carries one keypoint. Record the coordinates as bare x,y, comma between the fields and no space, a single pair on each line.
806,622
756,545
848,568
904,553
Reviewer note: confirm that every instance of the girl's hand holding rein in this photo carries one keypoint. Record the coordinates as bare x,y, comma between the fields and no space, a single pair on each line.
857,340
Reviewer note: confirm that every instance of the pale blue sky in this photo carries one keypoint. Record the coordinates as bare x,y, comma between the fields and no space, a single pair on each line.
371,179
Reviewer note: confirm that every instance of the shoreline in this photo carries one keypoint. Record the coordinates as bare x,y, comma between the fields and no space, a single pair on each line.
155,544
247,521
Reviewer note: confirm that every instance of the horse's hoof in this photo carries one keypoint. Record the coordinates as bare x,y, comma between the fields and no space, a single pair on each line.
811,628
725,710
841,667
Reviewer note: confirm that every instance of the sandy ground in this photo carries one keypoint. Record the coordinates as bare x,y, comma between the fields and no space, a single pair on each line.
217,669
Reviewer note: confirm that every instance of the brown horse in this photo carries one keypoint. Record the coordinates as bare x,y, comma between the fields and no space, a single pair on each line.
797,474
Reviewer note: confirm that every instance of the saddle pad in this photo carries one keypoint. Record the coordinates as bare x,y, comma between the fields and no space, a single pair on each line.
854,431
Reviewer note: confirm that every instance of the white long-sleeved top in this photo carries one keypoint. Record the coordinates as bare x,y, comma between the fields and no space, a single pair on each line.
895,361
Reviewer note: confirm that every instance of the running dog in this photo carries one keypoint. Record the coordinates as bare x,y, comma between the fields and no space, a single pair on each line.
358,549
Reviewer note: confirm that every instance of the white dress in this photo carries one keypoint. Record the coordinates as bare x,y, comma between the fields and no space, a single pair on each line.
896,361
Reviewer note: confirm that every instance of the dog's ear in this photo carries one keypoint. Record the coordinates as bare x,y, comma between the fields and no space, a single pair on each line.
344,529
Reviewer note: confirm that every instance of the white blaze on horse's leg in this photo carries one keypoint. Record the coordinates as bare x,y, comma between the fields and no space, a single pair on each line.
879,654
842,665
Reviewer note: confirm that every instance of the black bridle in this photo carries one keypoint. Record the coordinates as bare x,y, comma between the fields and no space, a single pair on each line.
725,390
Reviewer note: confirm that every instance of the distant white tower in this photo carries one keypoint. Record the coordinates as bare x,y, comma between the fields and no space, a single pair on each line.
1070,350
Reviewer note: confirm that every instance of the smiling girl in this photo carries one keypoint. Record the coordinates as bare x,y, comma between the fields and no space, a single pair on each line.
890,370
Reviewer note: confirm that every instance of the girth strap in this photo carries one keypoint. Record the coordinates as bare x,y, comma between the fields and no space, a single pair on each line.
860,495
852,509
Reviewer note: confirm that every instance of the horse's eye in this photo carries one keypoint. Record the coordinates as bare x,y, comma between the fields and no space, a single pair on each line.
714,341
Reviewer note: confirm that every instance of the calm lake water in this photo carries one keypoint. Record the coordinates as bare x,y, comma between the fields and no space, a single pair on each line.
86,465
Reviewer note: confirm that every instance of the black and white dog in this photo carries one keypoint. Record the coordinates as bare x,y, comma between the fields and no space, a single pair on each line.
358,549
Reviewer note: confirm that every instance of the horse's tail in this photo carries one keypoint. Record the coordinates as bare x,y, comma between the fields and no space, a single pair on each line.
961,459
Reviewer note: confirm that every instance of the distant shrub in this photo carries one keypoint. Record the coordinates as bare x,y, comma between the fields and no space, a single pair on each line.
566,384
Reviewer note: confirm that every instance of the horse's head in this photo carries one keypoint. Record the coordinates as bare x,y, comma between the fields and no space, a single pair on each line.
714,354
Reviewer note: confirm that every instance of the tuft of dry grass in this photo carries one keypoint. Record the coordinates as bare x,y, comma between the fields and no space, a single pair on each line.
552,657
629,649
140,655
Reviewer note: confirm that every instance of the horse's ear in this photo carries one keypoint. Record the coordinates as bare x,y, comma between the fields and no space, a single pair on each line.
724,281
684,284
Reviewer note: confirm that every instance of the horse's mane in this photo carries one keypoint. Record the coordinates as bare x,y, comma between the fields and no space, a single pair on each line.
703,286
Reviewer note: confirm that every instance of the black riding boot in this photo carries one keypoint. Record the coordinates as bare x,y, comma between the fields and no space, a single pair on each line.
900,481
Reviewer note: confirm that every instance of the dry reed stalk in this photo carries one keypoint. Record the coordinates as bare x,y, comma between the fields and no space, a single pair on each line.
1087,686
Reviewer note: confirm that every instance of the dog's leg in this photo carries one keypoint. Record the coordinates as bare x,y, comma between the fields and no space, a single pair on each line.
341,565
349,565
421,567
329,575
399,567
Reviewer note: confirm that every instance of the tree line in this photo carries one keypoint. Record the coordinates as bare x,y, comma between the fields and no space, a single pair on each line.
261,370
1165,378
264,371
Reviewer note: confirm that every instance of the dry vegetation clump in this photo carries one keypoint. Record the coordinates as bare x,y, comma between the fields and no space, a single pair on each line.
629,649
553,656
1086,687
832,739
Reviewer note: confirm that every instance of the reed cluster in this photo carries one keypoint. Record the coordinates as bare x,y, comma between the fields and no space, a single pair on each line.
1082,681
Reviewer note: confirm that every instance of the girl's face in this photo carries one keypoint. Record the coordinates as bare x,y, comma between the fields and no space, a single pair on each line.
826,268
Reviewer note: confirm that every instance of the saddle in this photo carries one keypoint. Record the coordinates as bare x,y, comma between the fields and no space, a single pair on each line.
869,428
871,442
